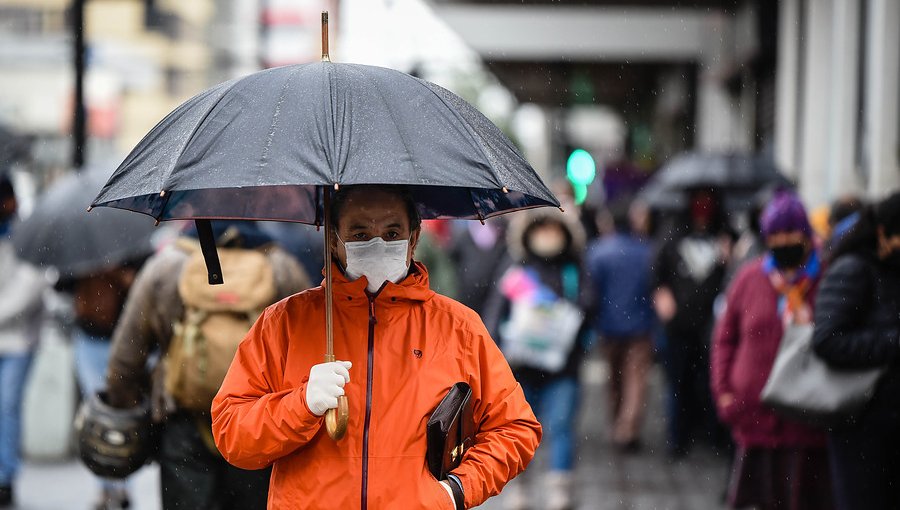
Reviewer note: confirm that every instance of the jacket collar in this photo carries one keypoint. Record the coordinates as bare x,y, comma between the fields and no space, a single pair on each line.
413,288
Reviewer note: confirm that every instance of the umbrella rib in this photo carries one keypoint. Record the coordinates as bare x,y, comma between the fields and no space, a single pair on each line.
196,128
469,130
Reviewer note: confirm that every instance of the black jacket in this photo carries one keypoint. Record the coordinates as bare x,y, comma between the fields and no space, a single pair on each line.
858,321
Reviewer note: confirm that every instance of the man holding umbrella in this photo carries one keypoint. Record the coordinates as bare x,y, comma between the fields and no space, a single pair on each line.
400,347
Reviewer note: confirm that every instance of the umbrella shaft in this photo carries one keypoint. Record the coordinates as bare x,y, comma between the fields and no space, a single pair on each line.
329,296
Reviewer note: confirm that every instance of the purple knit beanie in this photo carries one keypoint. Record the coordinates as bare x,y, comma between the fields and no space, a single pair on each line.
785,213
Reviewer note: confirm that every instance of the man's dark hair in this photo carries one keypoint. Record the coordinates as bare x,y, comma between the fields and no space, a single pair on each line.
339,200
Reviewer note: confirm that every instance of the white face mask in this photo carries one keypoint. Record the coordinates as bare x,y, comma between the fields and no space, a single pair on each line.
378,260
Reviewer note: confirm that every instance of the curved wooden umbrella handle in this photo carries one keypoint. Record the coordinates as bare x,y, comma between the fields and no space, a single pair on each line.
336,419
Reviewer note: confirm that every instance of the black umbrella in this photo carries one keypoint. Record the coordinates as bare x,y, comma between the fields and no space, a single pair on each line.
738,176
59,234
13,148
272,146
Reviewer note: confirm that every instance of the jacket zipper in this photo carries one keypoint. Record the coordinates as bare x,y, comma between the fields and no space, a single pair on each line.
371,363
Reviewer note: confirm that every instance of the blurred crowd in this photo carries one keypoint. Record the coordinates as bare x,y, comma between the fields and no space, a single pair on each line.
706,291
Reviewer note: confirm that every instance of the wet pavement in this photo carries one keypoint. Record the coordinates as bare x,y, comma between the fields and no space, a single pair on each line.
605,479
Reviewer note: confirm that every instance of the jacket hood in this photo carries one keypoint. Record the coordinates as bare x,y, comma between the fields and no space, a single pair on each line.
515,234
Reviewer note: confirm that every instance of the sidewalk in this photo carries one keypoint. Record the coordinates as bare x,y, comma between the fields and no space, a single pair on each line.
70,486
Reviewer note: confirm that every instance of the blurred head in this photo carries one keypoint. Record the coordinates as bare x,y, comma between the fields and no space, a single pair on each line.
8,203
842,208
786,230
887,228
704,210
547,239
362,213
876,234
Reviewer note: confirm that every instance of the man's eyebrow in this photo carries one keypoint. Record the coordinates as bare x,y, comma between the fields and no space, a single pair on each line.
358,227
395,225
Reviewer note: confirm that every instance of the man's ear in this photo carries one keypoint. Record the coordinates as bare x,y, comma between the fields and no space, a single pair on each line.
414,241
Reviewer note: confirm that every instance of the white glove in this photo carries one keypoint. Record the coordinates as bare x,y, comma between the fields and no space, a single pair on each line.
326,384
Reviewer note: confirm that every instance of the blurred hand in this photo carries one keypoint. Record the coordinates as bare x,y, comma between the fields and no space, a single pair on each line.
726,406
326,384
664,304
726,247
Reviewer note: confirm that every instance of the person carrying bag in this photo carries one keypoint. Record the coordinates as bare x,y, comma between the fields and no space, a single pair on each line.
857,331
779,463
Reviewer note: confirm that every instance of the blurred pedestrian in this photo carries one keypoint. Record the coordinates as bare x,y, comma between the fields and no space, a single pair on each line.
432,251
688,272
409,346
619,269
858,326
172,310
779,464
537,312
97,300
479,254
21,306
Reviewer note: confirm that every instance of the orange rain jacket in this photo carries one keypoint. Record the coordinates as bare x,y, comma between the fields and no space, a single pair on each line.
408,346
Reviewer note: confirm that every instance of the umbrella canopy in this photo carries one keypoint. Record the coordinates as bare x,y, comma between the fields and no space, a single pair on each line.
59,233
264,146
738,176
13,148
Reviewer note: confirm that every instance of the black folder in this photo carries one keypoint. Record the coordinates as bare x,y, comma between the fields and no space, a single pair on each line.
450,431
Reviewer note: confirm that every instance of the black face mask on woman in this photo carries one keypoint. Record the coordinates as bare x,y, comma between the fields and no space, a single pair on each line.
789,256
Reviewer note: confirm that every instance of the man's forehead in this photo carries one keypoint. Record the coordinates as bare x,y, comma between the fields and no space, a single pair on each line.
374,206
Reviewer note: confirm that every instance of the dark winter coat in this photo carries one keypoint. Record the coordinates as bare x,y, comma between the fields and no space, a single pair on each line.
858,325
694,293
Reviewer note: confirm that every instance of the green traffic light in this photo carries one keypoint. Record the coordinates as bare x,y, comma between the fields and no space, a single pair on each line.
580,167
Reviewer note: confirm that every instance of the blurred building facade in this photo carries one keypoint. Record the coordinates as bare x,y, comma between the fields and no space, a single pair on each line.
811,83
143,58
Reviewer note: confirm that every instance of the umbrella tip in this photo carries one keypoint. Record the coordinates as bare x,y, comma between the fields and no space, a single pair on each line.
337,186
162,193
505,190
90,208
562,210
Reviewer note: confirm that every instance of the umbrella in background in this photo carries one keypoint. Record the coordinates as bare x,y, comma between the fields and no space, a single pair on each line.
738,176
59,234
274,144
13,148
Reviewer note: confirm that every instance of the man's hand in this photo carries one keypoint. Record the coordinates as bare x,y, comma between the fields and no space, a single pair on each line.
326,384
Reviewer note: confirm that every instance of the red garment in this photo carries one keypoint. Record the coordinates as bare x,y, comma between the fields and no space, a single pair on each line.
745,344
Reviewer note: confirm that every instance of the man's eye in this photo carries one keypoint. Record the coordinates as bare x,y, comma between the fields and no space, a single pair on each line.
360,236
393,235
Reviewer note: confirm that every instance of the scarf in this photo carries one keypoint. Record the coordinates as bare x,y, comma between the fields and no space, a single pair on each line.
792,292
